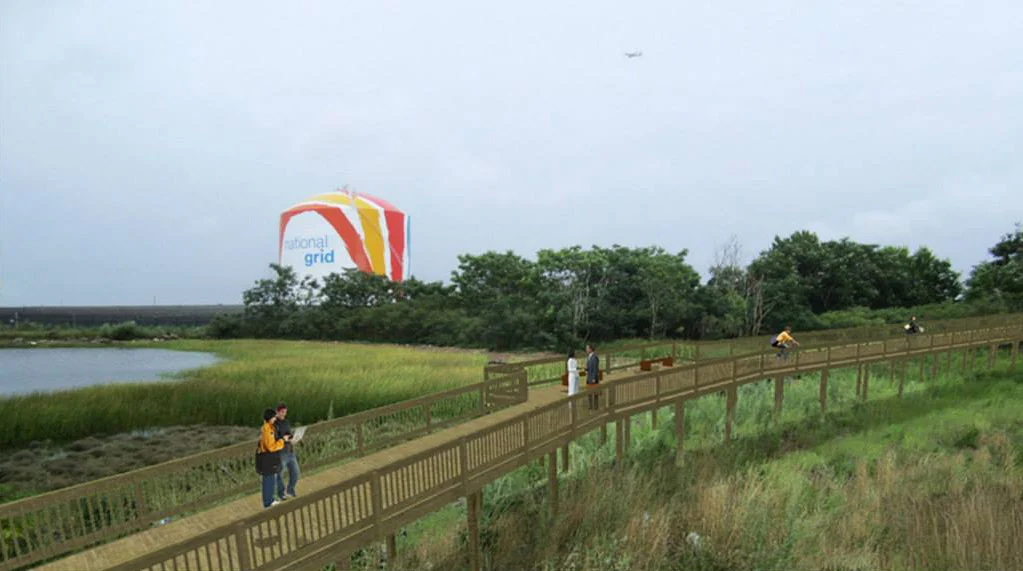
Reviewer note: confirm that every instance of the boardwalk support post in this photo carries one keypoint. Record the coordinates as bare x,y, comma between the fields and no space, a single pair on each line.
627,440
866,382
992,356
859,379
779,394
653,417
619,440
680,429
824,391
948,361
552,473
564,457
473,501
730,412
392,549
902,376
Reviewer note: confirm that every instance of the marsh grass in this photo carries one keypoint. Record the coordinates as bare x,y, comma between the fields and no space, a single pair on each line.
46,467
933,480
317,380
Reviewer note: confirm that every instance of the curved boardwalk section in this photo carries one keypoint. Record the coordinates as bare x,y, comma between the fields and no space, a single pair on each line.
368,499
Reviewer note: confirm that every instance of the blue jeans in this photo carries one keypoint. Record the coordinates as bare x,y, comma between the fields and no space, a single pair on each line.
289,461
268,488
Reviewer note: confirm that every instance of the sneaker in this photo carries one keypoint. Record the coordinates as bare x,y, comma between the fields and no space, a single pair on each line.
275,502
290,495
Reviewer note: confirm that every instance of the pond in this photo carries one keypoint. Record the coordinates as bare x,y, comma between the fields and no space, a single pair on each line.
29,370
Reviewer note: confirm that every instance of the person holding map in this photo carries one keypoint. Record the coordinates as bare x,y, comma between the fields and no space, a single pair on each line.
289,460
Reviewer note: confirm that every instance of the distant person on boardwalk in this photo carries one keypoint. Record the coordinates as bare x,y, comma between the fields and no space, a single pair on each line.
288,458
592,371
783,341
912,328
268,456
573,373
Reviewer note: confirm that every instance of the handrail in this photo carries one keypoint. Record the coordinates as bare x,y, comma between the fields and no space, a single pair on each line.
313,529
548,370
84,514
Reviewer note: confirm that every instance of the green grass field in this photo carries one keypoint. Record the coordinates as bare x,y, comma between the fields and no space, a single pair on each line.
933,480
317,380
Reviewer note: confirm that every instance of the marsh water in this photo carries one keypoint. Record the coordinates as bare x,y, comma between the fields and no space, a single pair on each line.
29,370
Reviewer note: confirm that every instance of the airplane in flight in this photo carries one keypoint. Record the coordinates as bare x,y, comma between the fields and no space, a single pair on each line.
631,55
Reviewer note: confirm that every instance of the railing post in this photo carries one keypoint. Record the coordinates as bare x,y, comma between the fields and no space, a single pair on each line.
377,500
242,546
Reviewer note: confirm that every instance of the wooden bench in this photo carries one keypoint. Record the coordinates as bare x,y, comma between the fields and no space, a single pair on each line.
647,364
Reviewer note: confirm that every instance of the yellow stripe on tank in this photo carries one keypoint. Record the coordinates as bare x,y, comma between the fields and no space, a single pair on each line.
373,237
332,198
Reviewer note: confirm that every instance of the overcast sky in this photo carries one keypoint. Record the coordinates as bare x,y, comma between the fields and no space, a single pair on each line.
147,148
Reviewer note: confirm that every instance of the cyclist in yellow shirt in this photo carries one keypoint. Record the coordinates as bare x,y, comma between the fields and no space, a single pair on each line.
783,341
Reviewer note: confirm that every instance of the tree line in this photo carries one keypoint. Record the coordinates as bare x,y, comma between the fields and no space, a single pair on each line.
562,298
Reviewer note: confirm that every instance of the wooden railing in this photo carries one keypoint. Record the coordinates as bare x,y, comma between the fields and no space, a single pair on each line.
54,523
317,528
548,370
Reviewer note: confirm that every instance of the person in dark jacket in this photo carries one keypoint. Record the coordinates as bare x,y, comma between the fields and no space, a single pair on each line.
289,460
592,372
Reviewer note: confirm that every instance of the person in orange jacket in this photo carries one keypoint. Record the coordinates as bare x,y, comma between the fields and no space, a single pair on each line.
268,456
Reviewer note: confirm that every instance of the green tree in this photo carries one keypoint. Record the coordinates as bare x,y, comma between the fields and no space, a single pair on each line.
277,306
1001,279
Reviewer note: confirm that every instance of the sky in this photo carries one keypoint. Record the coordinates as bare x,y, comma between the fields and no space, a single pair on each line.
148,148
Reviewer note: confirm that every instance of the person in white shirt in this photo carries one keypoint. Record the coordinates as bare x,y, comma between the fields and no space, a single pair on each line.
573,374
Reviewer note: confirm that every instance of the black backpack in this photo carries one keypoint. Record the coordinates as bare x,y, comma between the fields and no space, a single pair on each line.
267,463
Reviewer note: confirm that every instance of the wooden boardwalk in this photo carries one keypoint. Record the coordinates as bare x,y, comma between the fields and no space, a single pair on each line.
139,545
368,499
